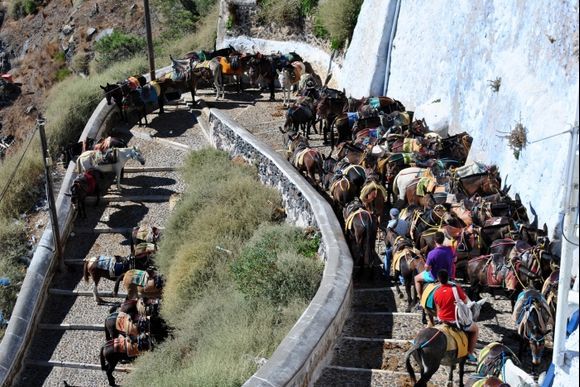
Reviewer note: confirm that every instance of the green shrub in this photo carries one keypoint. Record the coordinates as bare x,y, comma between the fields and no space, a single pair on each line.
59,57
221,328
285,12
61,74
222,214
118,47
307,6
339,17
214,323
12,249
273,265
20,8
21,174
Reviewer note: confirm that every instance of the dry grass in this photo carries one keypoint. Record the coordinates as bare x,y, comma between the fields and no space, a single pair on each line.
338,18
215,324
518,139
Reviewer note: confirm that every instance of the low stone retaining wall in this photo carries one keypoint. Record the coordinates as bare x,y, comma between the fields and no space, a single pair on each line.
303,353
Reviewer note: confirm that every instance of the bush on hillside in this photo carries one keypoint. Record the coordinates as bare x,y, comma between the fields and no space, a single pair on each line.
285,12
338,17
20,8
12,250
117,47
279,264
221,214
181,17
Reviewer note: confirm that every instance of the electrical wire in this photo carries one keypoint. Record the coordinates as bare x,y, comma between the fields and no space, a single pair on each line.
5,189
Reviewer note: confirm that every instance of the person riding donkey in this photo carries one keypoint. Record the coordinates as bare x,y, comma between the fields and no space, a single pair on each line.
441,257
401,228
447,295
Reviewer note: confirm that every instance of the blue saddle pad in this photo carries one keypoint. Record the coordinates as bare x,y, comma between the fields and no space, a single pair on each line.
352,117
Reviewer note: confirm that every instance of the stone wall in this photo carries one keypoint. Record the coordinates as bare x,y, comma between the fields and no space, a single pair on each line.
303,353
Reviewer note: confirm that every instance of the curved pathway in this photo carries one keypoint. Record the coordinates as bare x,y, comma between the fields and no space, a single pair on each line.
71,331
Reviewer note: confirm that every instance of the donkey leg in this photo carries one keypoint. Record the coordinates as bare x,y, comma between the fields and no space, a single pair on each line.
410,298
110,368
450,377
96,291
461,372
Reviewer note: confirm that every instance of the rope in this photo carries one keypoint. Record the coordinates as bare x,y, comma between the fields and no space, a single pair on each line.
5,190
430,340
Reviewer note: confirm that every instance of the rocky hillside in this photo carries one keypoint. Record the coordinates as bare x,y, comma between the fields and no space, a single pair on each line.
39,48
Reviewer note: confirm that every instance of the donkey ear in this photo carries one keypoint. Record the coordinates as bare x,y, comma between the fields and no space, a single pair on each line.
545,228
103,87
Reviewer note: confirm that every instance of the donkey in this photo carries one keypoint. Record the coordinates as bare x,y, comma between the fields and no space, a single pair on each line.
83,186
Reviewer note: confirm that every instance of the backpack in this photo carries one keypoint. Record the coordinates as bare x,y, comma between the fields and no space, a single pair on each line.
463,314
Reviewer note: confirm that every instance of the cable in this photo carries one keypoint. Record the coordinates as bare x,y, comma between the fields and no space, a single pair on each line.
569,241
17,166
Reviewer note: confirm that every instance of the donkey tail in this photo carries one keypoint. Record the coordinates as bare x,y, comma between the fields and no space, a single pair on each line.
86,270
408,355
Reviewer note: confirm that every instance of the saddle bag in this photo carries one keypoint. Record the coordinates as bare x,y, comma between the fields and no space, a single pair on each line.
463,315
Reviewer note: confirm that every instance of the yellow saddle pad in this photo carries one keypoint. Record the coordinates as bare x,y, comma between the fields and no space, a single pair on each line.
400,254
337,182
427,296
204,64
411,145
372,186
425,185
456,339
349,220
299,161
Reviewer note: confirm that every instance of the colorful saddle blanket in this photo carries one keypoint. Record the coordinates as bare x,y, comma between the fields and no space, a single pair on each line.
145,249
103,262
476,168
456,339
124,345
375,103
140,277
411,145
145,234
124,324
427,301
150,92
414,253
425,185
352,118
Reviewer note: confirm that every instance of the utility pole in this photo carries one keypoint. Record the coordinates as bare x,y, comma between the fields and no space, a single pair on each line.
149,39
49,192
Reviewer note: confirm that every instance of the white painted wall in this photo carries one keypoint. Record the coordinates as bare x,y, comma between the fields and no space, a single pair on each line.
450,49
366,57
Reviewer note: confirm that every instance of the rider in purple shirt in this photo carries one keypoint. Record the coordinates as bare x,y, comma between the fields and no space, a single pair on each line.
440,258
